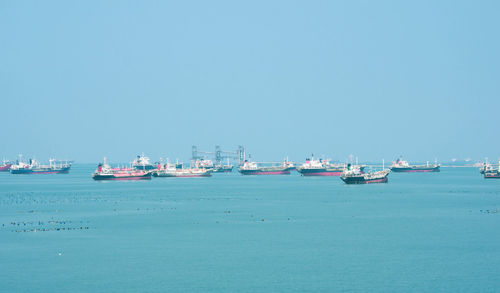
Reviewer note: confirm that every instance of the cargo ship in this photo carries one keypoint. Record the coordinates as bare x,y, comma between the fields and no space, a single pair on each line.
251,168
34,167
5,166
354,175
172,170
313,167
105,172
142,163
402,166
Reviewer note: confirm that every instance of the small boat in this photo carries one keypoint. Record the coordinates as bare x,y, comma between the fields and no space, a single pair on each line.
105,172
251,168
5,166
313,167
172,170
402,166
142,163
34,167
354,175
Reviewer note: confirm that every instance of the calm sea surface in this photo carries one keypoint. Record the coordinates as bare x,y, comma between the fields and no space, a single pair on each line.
428,232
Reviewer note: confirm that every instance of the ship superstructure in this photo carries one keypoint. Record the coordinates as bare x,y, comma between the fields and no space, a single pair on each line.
491,172
142,163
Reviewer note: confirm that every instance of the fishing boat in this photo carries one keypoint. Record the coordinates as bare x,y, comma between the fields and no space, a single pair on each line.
320,167
34,167
354,175
142,163
251,168
171,170
5,166
106,172
403,166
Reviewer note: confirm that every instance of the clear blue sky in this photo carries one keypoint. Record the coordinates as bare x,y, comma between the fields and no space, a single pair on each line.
378,79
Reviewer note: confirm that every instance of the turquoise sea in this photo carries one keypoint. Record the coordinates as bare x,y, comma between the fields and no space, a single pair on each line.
428,232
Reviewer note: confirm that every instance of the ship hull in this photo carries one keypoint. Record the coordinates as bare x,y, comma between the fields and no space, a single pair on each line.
42,171
319,172
117,177
264,172
492,175
415,169
5,168
223,170
361,180
173,174
183,175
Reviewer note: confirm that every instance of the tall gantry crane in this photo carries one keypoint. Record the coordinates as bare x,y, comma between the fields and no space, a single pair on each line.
220,155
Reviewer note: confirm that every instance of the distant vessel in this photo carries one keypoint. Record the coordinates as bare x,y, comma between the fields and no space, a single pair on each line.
223,168
34,167
403,166
172,170
105,172
354,175
251,168
204,164
289,165
487,167
313,167
142,163
491,173
5,166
